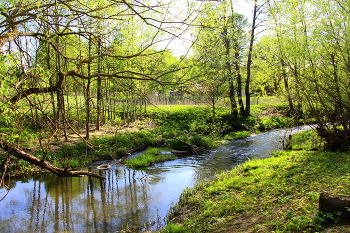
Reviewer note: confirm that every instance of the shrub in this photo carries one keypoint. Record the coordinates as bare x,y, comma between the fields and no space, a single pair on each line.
202,141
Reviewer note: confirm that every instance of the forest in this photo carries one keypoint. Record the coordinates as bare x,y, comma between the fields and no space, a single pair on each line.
69,67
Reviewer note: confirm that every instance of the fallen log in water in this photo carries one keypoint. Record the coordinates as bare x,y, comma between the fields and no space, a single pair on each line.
191,148
104,167
180,152
62,172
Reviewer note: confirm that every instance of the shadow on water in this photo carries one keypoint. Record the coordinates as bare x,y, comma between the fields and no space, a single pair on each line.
136,199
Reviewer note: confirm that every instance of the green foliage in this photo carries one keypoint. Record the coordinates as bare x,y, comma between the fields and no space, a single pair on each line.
203,141
176,144
183,117
323,219
151,156
74,163
270,105
18,135
173,228
274,122
233,123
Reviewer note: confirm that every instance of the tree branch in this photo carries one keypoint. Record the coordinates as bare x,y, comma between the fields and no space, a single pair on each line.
37,90
12,150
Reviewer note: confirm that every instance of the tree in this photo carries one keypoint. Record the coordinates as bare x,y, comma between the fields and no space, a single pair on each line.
220,44
314,40
257,20
212,54
72,52
237,23
272,72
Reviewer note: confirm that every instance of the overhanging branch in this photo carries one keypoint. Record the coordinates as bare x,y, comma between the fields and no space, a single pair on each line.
12,150
37,90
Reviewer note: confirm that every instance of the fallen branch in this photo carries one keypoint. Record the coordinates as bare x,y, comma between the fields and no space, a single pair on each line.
66,172
190,147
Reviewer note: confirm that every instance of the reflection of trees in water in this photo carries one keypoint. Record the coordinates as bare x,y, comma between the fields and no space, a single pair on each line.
84,204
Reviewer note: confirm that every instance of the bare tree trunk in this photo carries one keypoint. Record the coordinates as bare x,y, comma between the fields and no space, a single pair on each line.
286,88
239,84
60,92
99,88
233,104
87,98
87,111
249,61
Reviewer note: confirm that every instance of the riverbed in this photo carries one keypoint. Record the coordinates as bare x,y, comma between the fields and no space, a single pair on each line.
133,199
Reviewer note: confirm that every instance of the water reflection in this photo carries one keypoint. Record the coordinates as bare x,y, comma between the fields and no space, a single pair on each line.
139,199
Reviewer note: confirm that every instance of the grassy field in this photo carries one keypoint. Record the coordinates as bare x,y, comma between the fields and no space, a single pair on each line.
277,194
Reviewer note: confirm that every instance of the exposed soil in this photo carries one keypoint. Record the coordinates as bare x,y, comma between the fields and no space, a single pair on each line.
271,112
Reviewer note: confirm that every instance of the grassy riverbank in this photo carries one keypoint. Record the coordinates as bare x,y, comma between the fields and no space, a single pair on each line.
158,126
277,194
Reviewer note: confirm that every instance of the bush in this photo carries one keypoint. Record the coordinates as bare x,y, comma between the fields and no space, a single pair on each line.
202,141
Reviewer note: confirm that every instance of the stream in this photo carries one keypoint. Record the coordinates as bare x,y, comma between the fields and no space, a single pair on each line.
134,199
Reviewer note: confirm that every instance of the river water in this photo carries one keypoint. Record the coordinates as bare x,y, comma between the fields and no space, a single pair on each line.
134,199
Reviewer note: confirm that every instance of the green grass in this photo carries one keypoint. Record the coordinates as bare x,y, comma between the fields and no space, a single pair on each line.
151,156
277,194
307,140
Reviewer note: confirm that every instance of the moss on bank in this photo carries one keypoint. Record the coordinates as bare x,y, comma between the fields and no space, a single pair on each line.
277,194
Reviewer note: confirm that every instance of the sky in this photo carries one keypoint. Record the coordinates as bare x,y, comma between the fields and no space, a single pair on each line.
180,46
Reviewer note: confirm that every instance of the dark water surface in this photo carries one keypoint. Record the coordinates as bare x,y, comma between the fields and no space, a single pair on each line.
136,199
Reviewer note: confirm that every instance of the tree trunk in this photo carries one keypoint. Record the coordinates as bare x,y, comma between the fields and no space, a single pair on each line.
87,110
99,88
230,78
249,61
239,85
87,97
286,88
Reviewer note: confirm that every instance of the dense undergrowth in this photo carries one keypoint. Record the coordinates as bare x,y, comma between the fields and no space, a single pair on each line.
277,194
172,124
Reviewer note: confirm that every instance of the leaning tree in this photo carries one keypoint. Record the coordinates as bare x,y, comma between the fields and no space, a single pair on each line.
51,47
